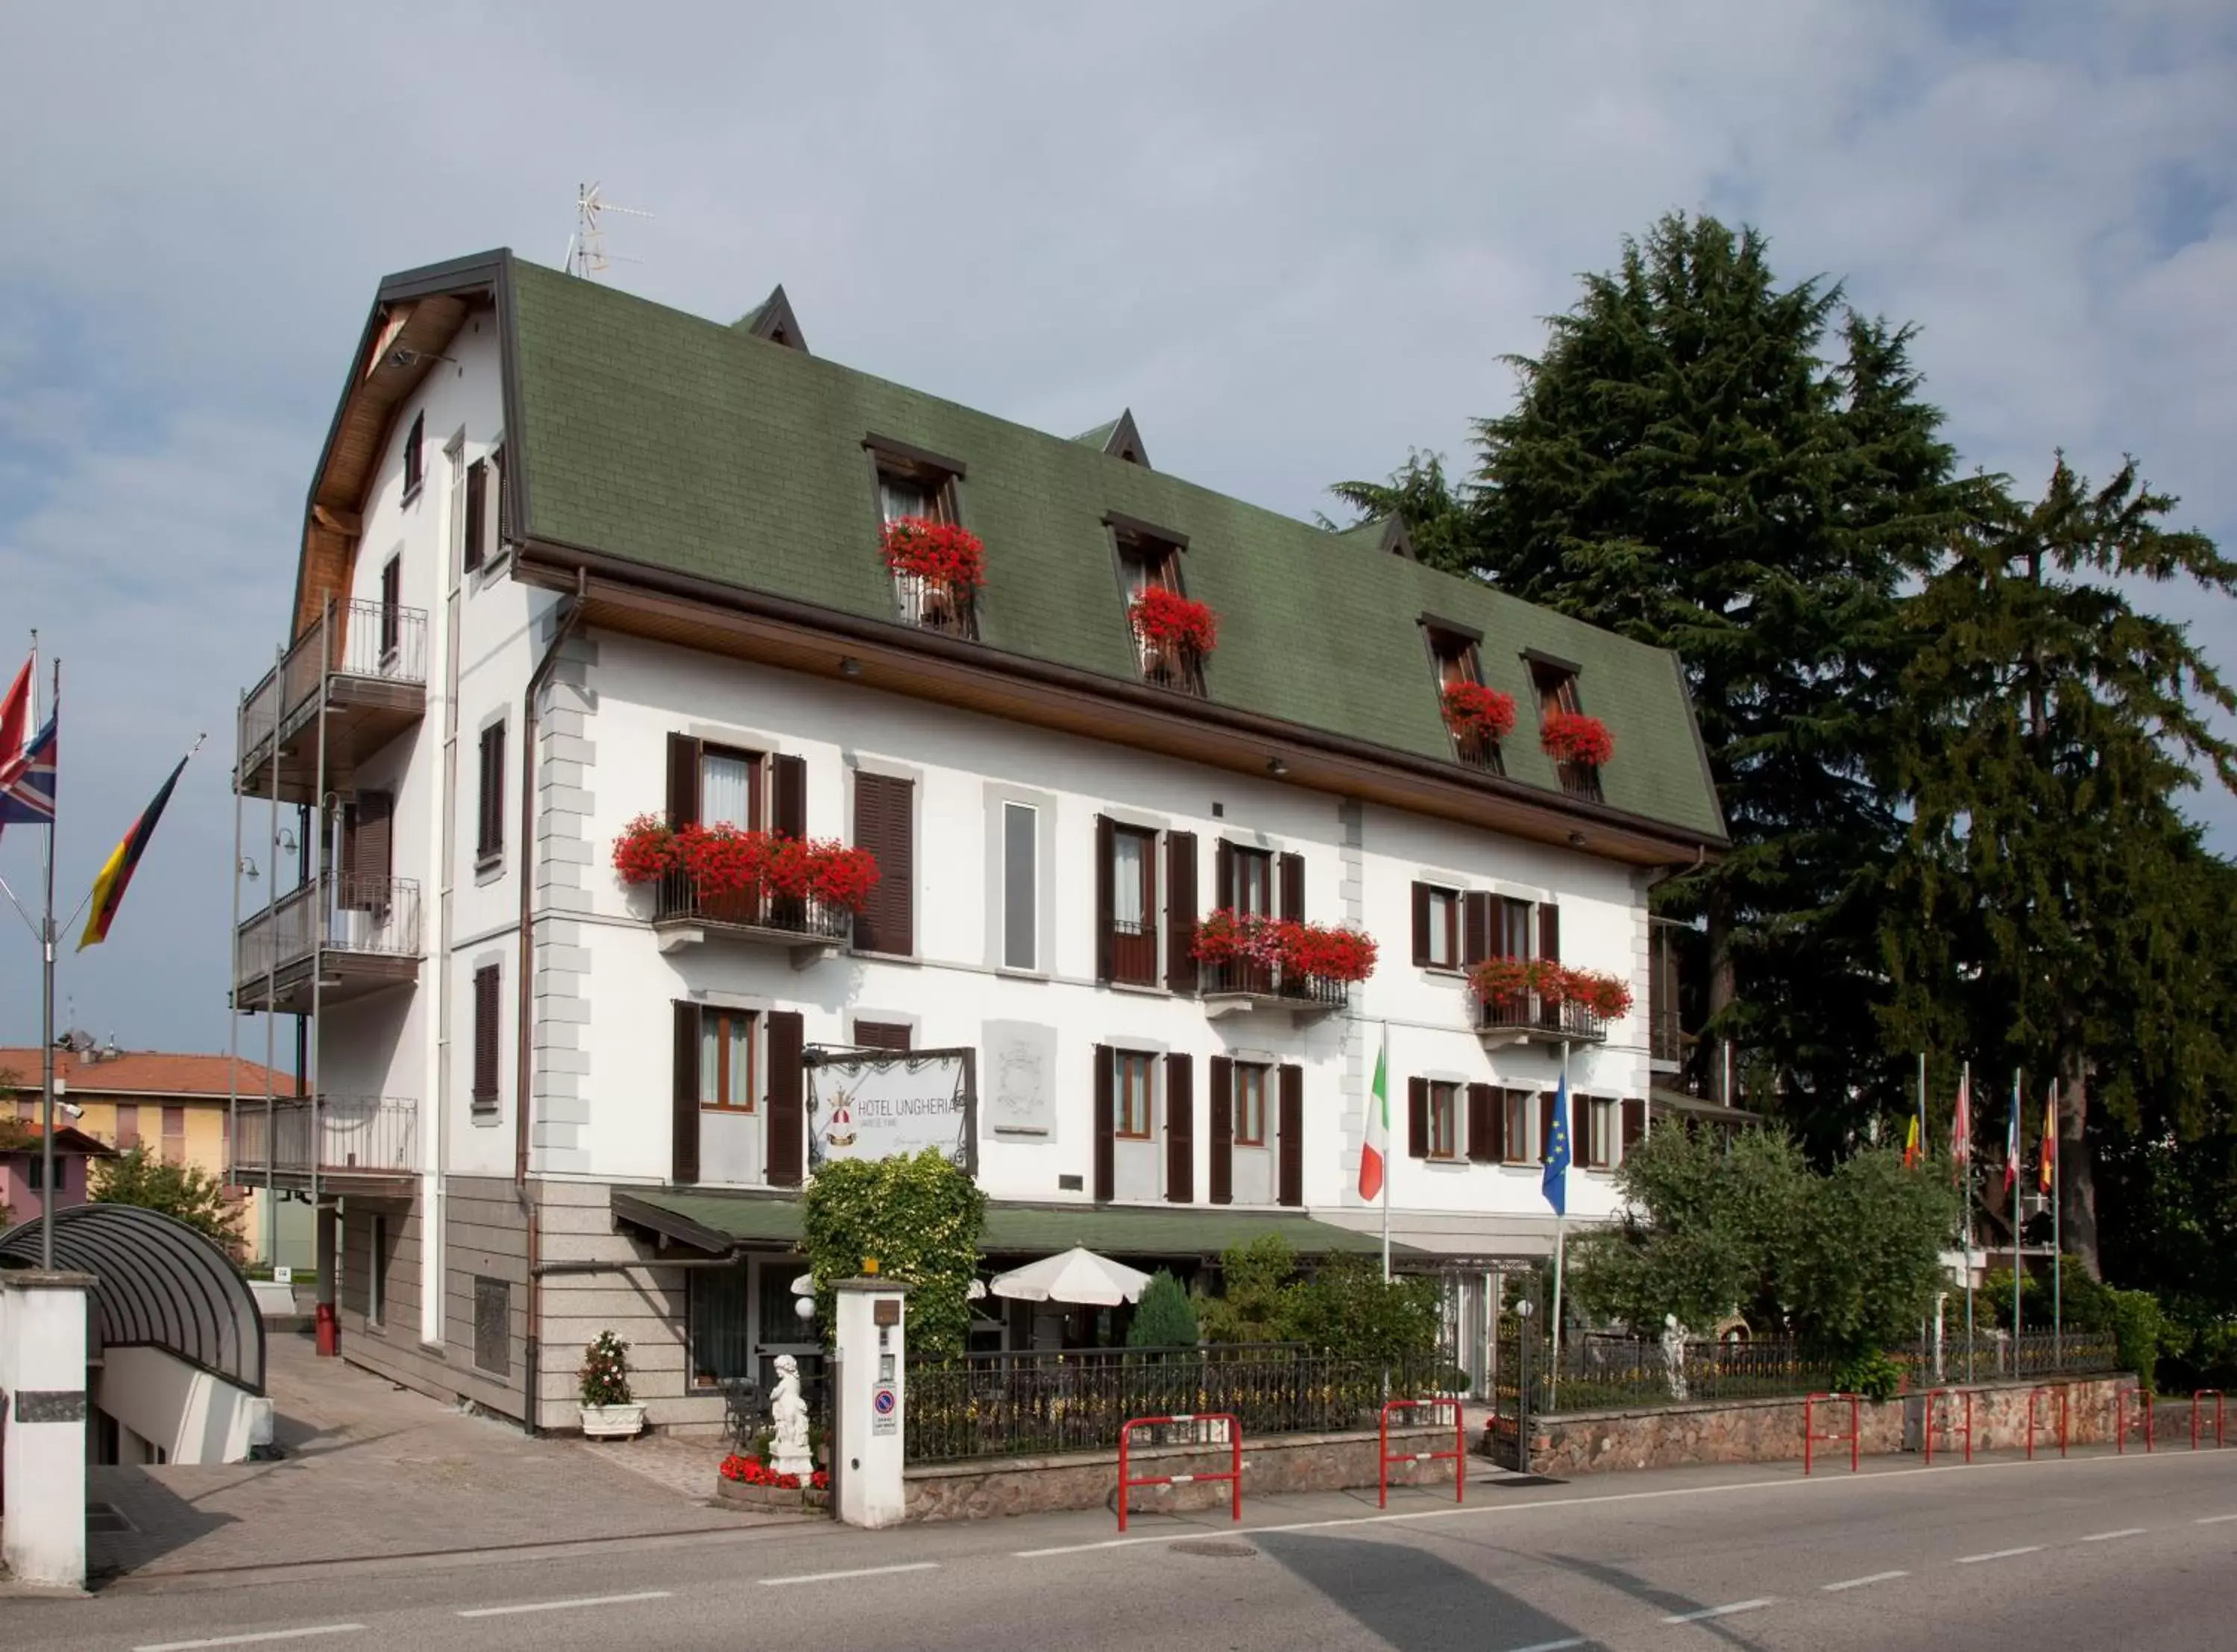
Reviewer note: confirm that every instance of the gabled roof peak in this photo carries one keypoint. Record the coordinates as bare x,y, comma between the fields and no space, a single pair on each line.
1119,439
773,320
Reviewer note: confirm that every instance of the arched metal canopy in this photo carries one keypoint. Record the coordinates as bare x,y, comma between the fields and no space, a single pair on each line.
160,1285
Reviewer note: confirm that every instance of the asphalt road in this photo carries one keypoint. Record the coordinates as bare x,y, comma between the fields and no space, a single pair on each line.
2138,1554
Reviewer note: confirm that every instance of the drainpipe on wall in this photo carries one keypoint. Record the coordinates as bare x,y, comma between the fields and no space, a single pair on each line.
569,621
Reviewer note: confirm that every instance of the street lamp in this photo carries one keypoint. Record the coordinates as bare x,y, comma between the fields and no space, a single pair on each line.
1522,1389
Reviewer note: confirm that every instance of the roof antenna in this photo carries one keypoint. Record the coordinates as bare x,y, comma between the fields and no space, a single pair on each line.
586,249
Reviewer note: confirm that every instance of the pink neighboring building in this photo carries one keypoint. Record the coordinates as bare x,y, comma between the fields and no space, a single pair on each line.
22,1193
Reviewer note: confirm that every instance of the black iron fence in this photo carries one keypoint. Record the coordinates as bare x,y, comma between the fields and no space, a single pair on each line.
1526,1013
1011,1405
1250,979
678,899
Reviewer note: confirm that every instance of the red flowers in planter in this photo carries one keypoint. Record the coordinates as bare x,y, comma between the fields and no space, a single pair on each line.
1475,712
1296,949
751,1471
939,553
1167,619
1506,981
1572,737
724,859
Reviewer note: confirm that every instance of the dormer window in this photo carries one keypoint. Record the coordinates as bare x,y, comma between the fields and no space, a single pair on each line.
1556,683
934,562
1172,634
1477,717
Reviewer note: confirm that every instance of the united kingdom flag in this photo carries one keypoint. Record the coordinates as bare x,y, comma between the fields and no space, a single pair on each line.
27,773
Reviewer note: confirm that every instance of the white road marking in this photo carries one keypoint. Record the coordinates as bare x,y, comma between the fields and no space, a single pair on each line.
1551,1646
861,1571
2215,1519
1717,1611
1858,1582
2107,1536
1999,1554
1822,1487
245,1640
565,1606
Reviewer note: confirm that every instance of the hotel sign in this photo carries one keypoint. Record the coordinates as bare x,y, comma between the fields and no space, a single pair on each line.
877,1103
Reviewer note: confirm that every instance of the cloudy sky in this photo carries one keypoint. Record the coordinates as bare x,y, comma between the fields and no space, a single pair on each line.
1295,238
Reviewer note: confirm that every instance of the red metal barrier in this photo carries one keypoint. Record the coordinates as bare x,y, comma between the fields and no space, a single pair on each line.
1812,1437
1948,1394
1233,1476
2120,1428
2034,1394
2218,1440
1458,1454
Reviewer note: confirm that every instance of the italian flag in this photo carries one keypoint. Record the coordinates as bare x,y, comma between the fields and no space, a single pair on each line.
1374,1158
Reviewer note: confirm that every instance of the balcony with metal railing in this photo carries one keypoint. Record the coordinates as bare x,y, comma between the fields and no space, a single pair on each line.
345,934
685,915
361,667
366,1142
1528,1019
1231,985
936,605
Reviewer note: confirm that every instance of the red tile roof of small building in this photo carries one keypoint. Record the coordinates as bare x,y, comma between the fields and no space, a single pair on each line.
141,1072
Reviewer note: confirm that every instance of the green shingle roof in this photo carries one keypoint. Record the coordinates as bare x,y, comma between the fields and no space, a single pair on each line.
687,445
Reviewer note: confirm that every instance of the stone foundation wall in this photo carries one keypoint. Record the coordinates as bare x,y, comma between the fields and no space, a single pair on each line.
987,1487
1769,1431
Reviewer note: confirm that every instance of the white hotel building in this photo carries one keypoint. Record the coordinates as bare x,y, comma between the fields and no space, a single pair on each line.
570,557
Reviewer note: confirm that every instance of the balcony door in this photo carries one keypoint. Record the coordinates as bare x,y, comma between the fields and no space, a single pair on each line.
1134,907
730,793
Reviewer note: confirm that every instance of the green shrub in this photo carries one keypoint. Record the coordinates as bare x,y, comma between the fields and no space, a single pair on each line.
1163,1318
2140,1329
918,1218
605,1377
1876,1376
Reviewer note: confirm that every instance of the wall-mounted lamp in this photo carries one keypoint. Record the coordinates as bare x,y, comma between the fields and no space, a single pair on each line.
286,841
1276,768
247,868
850,666
1576,839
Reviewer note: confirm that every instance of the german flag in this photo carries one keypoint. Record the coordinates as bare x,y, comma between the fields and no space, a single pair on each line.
116,876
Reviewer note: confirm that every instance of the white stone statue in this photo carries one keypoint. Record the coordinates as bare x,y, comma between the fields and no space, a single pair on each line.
788,1412
1673,1355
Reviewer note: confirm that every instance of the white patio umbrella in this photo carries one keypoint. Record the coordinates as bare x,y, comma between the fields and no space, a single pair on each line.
1079,1275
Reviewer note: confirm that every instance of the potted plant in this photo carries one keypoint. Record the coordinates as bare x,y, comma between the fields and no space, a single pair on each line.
603,1388
1608,997
940,554
1173,629
1572,737
1477,713
645,851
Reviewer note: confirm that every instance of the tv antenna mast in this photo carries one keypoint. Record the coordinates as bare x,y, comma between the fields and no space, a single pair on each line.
586,249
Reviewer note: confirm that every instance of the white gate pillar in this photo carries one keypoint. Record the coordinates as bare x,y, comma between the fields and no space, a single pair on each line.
42,1385
871,1347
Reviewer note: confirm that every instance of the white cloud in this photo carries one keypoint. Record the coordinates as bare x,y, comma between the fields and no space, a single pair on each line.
1295,237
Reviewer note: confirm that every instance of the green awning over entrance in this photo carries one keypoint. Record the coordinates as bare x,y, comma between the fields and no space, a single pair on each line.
714,1222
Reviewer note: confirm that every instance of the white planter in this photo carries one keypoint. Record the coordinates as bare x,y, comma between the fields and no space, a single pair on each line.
612,1422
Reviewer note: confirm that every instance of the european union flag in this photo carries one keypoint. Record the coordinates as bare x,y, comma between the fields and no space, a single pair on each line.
1556,1183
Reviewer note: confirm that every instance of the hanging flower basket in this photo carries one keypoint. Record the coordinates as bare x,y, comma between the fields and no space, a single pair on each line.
1298,950
645,851
939,553
1474,712
1166,619
1572,737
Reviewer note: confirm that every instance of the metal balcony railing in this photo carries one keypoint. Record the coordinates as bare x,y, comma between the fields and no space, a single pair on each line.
933,606
678,899
360,638
1165,666
1239,976
351,1135
337,912
1531,1016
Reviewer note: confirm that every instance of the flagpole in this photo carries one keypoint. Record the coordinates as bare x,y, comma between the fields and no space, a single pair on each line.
47,1199
1560,1236
2058,1247
1384,1100
2019,1134
1965,1151
1927,1329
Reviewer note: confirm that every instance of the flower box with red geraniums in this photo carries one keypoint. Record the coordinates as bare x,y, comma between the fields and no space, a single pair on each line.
724,861
1294,951
750,1481
645,851
1475,712
1166,619
1572,737
1506,984
939,553
1608,997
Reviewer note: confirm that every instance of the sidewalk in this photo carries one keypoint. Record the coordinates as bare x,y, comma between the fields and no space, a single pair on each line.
373,1470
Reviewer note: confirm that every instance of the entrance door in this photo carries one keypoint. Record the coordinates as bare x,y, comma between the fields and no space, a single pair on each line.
778,1329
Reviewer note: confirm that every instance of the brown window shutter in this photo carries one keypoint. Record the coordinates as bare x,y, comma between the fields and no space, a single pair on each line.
1290,1164
1475,928
1546,1126
683,1153
789,796
1549,931
1180,1130
486,1035
503,504
1634,1121
682,781
1292,885
477,502
1581,1130
1223,875
1180,912
1221,1100
1107,836
1105,1124
1421,923
491,838
375,809
346,856
882,1035
1417,1118
888,920
787,1110
1486,1124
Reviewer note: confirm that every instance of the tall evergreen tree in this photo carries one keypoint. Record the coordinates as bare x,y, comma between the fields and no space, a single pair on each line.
1684,465
2051,905
1437,514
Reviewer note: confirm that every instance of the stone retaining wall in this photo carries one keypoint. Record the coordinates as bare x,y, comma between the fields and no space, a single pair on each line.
1769,1431
987,1487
